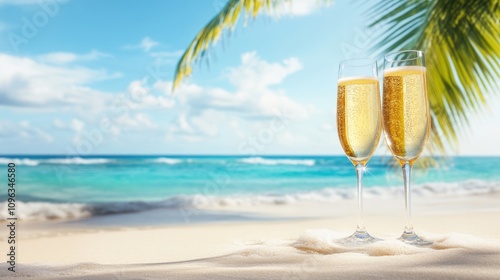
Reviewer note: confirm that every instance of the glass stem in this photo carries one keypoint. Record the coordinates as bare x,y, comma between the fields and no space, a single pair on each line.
359,173
407,177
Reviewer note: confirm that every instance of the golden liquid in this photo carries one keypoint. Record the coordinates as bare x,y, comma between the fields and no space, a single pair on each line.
358,117
406,112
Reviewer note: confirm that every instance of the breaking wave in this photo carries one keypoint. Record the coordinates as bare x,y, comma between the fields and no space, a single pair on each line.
264,161
56,211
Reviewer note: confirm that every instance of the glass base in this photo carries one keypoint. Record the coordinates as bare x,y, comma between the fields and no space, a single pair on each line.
359,238
409,237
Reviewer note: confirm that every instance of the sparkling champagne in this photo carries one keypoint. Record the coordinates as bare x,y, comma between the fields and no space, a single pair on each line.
406,112
358,117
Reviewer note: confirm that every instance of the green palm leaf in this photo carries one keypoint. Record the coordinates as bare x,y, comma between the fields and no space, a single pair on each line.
226,19
460,39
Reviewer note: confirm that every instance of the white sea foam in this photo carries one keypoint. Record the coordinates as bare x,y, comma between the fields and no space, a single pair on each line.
20,161
264,161
40,211
78,160
170,161
470,187
72,160
51,211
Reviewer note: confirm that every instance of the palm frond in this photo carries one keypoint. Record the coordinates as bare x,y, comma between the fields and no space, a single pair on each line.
460,40
225,19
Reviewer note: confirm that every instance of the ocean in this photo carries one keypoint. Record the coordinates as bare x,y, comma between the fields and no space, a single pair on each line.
61,187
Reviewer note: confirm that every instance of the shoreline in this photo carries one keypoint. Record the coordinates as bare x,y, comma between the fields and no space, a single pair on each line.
298,243
206,207
218,211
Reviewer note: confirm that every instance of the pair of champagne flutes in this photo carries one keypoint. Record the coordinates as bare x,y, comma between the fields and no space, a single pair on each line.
403,115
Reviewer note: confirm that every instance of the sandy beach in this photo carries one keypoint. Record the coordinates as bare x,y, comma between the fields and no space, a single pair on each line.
296,243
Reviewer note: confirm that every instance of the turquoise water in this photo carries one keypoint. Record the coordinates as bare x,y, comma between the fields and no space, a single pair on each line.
157,179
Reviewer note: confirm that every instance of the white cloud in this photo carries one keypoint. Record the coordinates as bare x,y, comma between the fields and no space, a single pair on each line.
195,128
122,123
253,98
165,58
43,135
146,44
25,82
68,57
31,84
77,126
201,111
132,123
140,96
59,123
292,140
24,130
137,121
255,73
296,7
165,54
236,128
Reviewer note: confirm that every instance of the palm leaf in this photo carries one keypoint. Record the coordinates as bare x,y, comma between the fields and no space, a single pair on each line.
208,36
226,19
460,39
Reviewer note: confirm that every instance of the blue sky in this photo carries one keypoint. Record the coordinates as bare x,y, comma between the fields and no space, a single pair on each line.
94,77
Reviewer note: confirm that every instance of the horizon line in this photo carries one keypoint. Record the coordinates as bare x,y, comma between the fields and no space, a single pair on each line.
231,155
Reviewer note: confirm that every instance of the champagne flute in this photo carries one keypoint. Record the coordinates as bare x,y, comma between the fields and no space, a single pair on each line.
406,119
359,126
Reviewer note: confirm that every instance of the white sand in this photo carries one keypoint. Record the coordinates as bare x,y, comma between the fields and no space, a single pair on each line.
465,231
